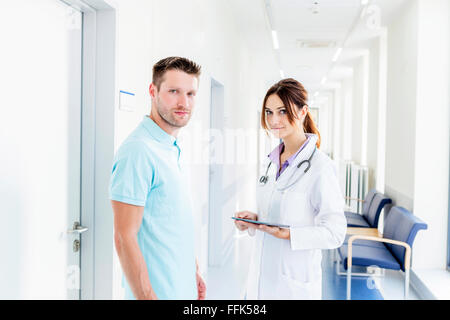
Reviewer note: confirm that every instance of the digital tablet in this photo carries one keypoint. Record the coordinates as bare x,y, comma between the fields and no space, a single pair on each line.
260,222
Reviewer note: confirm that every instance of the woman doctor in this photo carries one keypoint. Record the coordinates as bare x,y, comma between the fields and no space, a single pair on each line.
300,189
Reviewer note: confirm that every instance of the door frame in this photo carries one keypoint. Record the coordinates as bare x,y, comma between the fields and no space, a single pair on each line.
99,102
215,232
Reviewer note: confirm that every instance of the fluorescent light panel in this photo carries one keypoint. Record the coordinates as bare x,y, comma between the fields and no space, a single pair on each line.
275,40
337,54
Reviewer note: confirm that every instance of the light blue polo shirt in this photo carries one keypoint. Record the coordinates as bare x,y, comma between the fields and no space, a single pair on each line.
146,172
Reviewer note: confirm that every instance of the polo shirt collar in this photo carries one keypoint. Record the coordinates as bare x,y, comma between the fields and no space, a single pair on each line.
158,133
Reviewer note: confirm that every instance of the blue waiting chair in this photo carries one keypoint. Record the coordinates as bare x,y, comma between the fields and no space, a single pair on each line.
373,205
392,251
365,203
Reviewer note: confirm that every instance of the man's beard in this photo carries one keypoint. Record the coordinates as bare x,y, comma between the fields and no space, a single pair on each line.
169,118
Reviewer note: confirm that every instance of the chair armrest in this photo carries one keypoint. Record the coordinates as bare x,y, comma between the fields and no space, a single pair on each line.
364,232
395,242
356,199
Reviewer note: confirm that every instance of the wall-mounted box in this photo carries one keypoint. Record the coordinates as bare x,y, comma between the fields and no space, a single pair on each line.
127,101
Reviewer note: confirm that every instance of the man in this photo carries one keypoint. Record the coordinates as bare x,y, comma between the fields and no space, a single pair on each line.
153,223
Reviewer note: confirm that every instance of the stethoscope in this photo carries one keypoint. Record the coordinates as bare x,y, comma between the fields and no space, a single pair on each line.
263,180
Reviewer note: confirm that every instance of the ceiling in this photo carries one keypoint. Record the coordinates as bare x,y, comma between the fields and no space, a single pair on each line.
310,32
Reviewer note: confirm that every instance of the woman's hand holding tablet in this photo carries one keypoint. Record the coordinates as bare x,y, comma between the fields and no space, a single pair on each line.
261,222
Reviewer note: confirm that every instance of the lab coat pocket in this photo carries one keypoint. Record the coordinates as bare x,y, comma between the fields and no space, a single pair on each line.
293,208
300,277
297,264
290,288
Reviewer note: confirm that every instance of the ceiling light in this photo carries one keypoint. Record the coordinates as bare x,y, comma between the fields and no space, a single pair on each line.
337,54
275,40
324,80
315,7
314,43
364,2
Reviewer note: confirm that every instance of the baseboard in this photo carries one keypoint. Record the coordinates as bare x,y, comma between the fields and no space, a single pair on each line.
420,288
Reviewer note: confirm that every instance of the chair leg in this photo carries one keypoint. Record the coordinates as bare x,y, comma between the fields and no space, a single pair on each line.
338,263
406,284
349,282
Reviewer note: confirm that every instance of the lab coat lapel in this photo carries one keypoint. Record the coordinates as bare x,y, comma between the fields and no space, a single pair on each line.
264,193
286,178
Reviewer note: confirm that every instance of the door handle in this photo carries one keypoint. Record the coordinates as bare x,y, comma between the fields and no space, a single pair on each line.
77,228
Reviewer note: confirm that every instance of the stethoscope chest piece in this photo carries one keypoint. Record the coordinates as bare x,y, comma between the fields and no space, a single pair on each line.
263,179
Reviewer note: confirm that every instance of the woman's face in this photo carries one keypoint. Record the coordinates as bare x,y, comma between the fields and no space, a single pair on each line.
277,118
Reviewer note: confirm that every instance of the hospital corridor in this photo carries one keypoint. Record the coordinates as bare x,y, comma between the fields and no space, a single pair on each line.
137,134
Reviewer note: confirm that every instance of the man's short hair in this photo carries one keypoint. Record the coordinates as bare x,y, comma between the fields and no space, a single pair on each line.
173,63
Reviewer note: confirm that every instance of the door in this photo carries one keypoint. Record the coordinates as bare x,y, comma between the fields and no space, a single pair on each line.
40,141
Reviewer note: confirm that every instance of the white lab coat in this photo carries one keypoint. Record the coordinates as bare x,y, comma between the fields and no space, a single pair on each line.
314,208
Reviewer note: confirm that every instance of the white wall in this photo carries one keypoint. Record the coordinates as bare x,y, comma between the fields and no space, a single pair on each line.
373,107
324,122
346,127
432,132
357,110
401,106
417,134
206,32
376,109
381,114
337,120
408,127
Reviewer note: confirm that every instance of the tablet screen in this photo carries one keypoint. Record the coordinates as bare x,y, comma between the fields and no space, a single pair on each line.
261,222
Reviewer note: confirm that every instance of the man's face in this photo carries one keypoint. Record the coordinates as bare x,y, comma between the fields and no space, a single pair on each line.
175,99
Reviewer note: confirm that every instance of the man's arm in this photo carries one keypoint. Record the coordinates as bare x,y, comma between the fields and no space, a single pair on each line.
127,221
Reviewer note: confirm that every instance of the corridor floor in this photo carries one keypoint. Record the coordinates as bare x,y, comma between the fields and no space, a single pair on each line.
227,282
